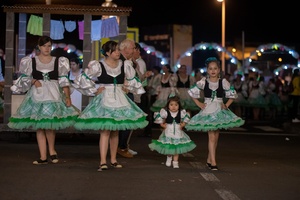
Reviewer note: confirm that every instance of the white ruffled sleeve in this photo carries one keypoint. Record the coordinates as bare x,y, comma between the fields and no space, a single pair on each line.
195,90
230,92
63,70
132,83
23,83
84,82
159,117
185,116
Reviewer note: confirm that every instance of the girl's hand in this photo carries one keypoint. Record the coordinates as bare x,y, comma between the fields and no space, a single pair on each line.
163,125
37,83
224,106
125,90
201,105
182,125
100,90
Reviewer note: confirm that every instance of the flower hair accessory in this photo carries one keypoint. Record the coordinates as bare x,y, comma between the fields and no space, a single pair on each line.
103,52
211,59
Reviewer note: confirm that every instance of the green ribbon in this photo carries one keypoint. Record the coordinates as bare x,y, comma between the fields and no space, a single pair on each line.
46,77
115,86
213,95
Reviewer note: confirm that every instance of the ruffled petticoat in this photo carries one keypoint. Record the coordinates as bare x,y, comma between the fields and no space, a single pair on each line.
111,110
214,118
33,114
171,146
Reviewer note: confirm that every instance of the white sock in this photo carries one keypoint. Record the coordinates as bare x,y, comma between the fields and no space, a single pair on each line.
175,164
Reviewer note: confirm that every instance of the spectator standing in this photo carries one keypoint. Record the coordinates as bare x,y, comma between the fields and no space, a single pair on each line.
76,69
46,107
140,99
76,96
127,48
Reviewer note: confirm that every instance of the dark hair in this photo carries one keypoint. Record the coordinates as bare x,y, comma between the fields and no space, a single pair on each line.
173,98
169,68
157,68
44,39
75,60
212,59
109,46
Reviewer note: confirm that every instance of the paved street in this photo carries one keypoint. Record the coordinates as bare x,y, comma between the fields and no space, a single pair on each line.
256,162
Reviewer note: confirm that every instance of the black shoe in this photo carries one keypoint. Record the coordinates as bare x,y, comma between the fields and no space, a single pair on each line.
40,162
116,165
208,165
54,158
102,167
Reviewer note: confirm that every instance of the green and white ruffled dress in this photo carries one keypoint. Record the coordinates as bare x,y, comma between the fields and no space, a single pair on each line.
43,107
112,109
173,140
213,117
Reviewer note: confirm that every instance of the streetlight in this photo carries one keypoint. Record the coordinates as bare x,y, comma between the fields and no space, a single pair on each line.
223,35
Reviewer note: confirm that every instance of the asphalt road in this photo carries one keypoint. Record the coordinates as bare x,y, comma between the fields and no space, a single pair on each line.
252,166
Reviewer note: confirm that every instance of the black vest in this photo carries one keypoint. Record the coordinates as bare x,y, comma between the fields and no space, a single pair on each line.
107,79
208,92
170,119
180,84
53,75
